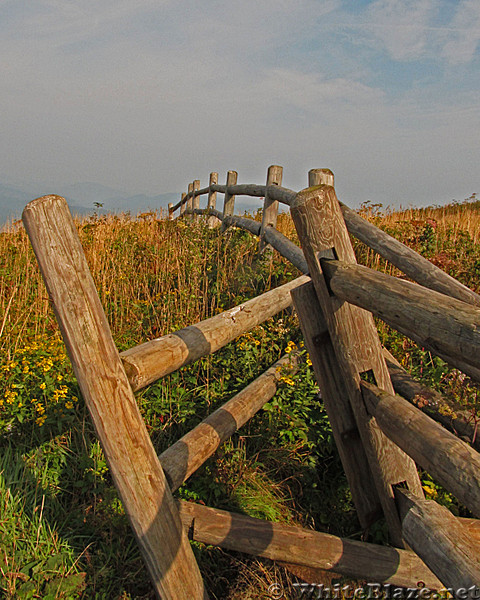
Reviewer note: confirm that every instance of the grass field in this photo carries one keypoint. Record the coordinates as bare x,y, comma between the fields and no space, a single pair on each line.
63,530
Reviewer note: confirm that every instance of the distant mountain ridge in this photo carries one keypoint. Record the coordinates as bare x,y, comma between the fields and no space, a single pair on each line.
81,198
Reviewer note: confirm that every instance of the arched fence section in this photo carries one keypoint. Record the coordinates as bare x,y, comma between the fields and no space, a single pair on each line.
381,437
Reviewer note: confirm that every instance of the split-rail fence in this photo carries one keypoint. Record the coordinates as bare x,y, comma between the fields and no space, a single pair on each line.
380,435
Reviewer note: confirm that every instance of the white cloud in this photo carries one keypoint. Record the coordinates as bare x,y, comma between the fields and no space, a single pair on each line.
465,33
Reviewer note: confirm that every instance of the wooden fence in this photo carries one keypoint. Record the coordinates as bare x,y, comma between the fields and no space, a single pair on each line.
380,435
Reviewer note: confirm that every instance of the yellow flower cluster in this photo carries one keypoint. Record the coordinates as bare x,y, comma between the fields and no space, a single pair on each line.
430,491
290,347
247,339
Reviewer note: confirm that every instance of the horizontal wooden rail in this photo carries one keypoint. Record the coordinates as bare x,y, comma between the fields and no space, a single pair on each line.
440,540
285,543
446,326
429,401
148,362
186,455
407,260
279,193
448,459
286,248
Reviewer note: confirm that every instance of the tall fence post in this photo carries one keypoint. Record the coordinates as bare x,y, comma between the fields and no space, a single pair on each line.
196,198
212,221
170,211
183,204
134,465
190,201
322,233
229,202
270,207
335,398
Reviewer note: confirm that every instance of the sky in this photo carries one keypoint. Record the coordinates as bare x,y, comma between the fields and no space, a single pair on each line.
147,95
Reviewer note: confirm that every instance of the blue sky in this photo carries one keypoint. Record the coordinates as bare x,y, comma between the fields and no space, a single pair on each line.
147,95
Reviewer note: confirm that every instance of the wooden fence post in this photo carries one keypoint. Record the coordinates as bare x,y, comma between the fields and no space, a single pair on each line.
229,202
270,207
183,205
212,221
335,397
196,198
322,233
170,211
133,462
190,201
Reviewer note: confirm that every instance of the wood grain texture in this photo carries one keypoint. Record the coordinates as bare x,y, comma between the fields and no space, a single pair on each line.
229,200
449,460
186,455
170,211
189,201
285,543
444,325
335,397
320,177
440,540
270,206
212,221
150,361
196,197
134,466
407,260
183,204
322,232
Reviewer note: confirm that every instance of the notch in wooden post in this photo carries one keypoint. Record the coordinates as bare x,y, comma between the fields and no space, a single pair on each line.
183,204
270,207
196,198
229,202
320,226
212,221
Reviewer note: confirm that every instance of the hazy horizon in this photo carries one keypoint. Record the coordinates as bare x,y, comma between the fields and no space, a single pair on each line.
146,96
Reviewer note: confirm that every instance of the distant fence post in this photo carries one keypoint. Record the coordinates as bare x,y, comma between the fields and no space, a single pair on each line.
212,200
322,233
170,211
229,202
270,207
196,198
183,205
190,201
321,177
133,462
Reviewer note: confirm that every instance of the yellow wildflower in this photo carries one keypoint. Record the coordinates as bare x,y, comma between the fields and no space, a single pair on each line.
68,404
43,385
41,420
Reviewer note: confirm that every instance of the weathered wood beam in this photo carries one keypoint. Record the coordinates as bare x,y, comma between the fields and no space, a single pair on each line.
335,397
186,455
444,325
407,260
212,221
451,461
359,560
432,403
148,362
322,232
270,207
134,465
229,200
441,541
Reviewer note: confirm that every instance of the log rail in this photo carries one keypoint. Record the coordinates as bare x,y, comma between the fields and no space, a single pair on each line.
380,436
